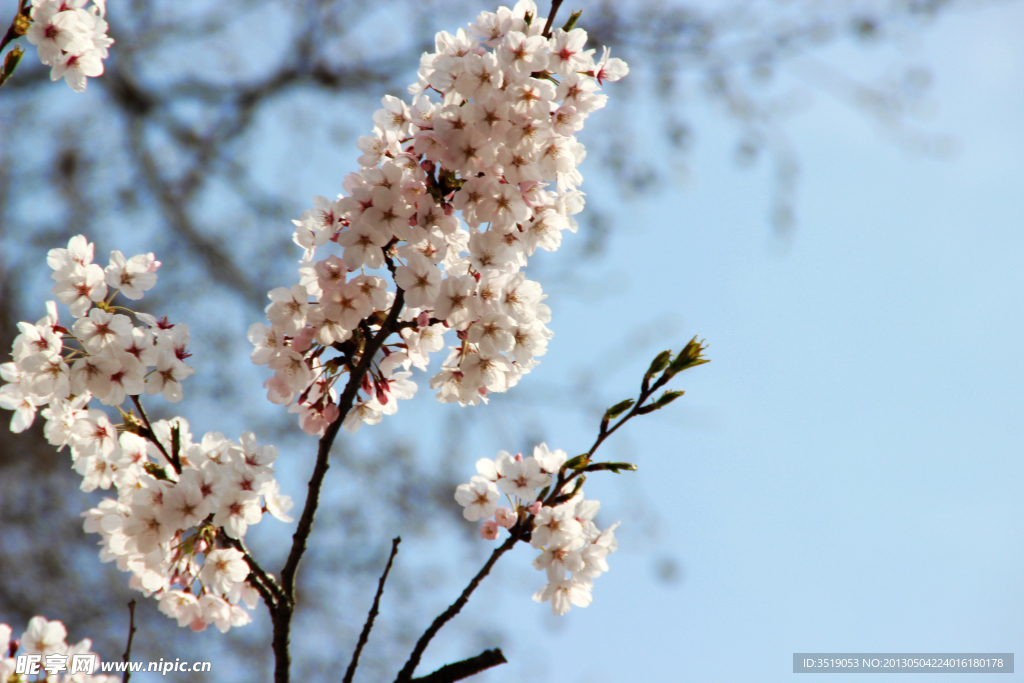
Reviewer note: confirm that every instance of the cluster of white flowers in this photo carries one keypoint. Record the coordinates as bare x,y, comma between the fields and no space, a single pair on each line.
47,640
177,499
573,549
457,190
162,522
113,356
71,39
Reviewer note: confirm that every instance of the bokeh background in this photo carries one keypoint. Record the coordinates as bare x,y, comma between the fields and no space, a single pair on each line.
831,193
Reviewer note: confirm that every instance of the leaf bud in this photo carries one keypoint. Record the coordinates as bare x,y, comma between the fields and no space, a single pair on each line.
618,409
571,22
579,462
659,363
615,467
667,398
689,357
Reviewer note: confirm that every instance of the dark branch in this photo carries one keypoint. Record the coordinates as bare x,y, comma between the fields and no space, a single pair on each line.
344,406
128,647
466,668
555,4
265,584
365,635
405,675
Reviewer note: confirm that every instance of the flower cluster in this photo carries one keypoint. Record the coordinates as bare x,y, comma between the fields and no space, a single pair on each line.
47,640
458,188
163,521
177,499
113,358
71,39
573,549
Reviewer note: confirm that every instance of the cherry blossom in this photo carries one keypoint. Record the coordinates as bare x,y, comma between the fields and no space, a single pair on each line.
71,39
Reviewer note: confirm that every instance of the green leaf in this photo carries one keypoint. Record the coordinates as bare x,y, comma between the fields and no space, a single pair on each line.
156,471
11,63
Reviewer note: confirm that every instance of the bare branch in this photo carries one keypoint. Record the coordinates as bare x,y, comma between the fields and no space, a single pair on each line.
365,635
128,647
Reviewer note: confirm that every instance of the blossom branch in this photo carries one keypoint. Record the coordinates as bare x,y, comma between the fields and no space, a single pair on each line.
282,614
365,635
417,206
464,669
131,635
316,482
405,675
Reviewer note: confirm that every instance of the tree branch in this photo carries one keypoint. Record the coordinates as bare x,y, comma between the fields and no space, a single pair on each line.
344,406
405,675
465,668
555,4
268,587
128,647
365,635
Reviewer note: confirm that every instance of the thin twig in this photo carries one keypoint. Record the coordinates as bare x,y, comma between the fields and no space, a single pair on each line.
128,648
365,635
464,669
151,435
405,675
259,578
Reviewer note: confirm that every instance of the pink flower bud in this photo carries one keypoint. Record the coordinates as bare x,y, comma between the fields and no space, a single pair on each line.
489,530
535,507
303,340
504,517
423,319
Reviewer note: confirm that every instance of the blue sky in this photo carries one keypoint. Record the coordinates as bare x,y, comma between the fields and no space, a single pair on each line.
845,476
